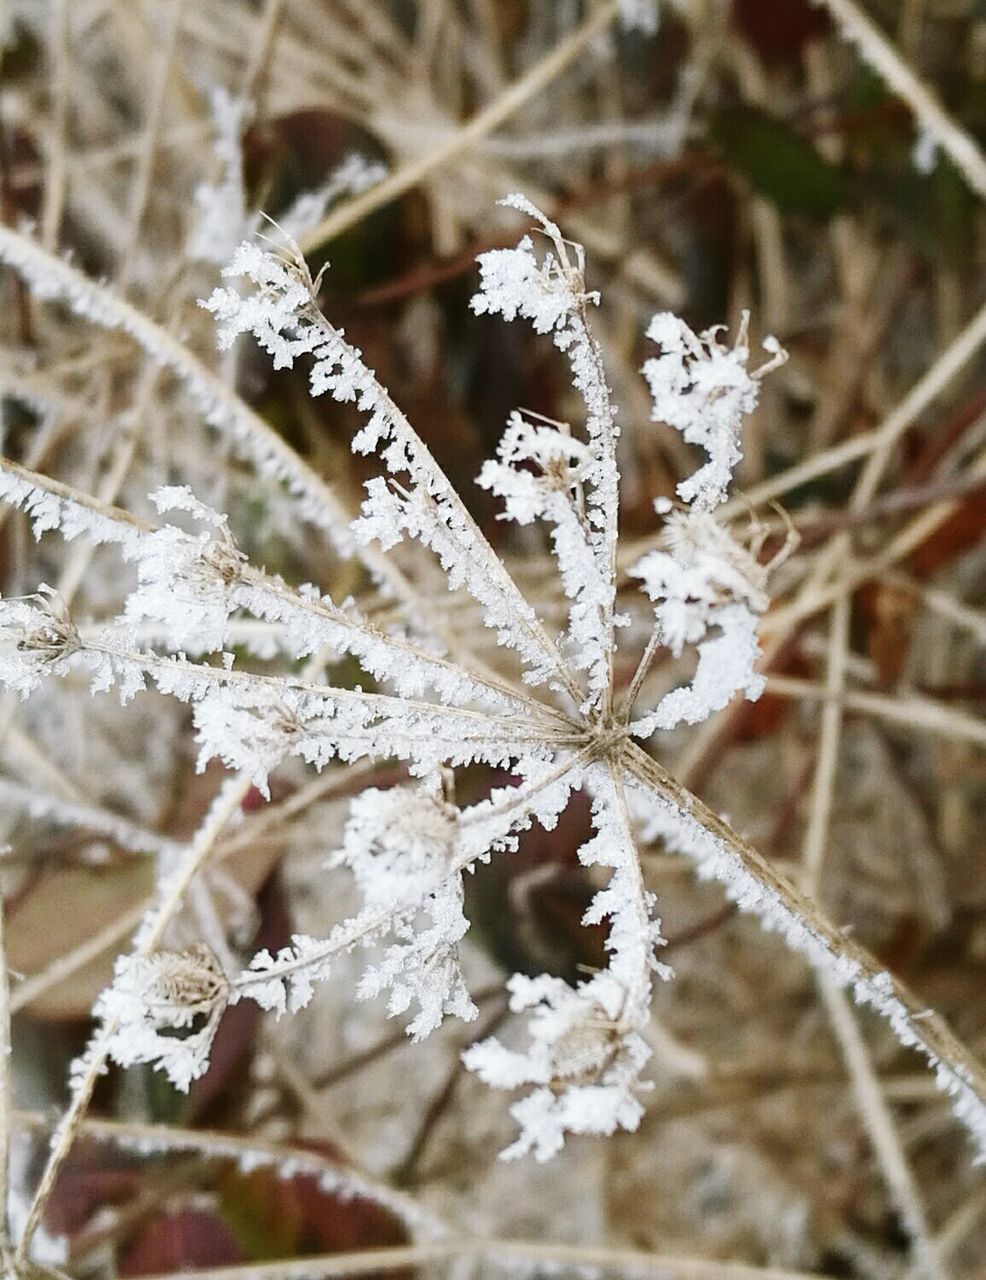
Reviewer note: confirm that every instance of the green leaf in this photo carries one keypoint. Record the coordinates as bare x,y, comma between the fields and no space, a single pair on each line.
779,163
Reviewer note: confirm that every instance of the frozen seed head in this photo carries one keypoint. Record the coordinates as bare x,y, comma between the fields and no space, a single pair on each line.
154,1004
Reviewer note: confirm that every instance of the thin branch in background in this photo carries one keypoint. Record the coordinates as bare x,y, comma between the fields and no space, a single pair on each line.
386,1044
509,101
150,937
56,172
255,74
6,1101
509,1253
870,1103
905,709
406,1173
250,1150
877,51
149,144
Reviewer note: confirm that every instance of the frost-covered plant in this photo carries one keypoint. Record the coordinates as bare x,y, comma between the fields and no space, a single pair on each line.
564,725
152,997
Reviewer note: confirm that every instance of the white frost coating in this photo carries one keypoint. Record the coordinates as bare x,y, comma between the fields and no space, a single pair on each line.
190,585
150,995
51,278
184,580
554,493
353,176
283,317
703,571
586,1049
704,583
703,389
662,820
48,511
287,1162
408,849
37,639
252,721
397,842
401,847
223,218
69,813
726,666
514,283
551,294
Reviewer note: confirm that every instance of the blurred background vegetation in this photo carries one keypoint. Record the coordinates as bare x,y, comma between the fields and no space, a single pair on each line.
744,157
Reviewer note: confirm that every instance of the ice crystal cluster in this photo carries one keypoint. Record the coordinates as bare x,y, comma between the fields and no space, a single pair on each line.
563,722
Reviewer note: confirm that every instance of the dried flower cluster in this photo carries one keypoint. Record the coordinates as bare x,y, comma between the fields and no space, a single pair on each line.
408,848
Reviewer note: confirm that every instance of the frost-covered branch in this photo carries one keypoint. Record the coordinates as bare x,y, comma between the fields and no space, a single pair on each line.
408,849
936,126
192,584
587,1046
39,805
703,389
53,279
90,1066
683,824
249,1153
704,582
251,721
284,318
552,295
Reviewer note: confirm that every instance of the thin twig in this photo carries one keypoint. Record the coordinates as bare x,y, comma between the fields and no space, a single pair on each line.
209,1144
909,710
56,169
877,51
870,1102
149,144
484,122
505,1252
6,1105
92,1065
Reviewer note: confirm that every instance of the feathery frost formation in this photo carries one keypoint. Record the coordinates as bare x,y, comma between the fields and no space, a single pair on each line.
561,725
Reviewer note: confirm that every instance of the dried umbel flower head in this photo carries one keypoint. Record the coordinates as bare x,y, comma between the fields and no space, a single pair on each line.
584,1059
153,999
38,636
540,466
54,634
703,389
399,843
703,570
186,580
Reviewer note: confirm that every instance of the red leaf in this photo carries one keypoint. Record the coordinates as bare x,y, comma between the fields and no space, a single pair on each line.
180,1241
779,30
